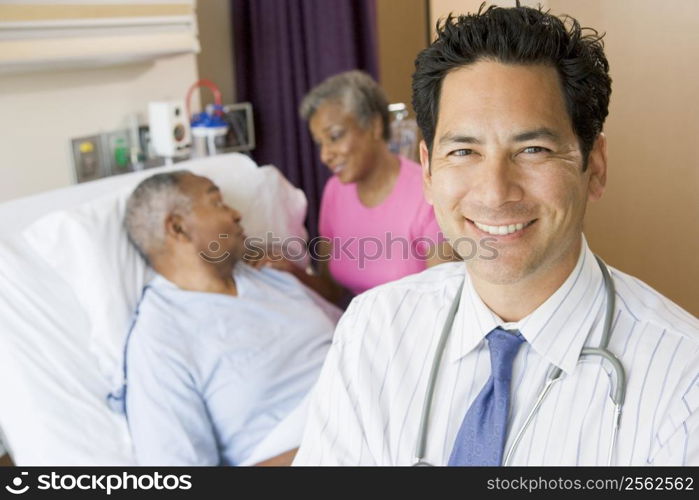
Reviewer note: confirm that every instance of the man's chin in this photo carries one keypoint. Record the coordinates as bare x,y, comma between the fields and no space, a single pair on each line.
224,258
497,271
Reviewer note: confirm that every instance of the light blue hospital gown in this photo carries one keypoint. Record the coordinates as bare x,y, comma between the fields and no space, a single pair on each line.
209,375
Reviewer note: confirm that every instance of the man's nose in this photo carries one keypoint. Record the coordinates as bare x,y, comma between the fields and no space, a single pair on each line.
498,182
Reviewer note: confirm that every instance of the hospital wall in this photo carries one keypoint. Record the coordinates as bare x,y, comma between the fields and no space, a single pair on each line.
647,223
402,32
215,61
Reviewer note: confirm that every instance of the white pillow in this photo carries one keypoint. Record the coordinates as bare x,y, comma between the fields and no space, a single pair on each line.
52,409
68,285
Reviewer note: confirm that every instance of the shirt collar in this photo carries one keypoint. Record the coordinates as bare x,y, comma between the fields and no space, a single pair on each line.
164,285
556,330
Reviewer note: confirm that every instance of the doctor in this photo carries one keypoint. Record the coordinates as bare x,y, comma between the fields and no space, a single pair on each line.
511,103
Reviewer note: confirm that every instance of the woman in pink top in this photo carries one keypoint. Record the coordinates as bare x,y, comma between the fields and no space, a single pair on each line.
373,213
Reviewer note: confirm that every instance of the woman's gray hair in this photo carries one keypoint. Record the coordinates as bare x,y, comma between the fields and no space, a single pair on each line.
357,91
148,207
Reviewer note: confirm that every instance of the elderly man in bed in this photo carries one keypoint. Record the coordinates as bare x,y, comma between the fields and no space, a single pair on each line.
219,352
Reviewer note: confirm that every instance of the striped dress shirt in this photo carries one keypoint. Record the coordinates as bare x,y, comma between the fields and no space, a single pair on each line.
367,404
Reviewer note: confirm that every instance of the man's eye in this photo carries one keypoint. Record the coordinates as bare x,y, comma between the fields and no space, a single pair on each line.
535,149
461,152
336,136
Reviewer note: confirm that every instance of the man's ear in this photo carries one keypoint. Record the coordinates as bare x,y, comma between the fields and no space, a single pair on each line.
175,228
597,165
426,172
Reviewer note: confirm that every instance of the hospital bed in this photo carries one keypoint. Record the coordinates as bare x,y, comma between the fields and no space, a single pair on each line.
69,281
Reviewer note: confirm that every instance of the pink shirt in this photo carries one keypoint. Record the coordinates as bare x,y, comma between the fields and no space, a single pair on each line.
375,245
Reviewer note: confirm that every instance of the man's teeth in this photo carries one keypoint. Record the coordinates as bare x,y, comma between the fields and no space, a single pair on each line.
501,230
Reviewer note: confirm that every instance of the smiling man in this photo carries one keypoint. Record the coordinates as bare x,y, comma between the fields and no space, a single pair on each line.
511,103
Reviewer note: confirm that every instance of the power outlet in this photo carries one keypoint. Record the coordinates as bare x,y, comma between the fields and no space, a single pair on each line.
87,158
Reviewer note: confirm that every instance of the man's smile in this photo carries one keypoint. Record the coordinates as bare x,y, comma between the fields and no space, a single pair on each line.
511,228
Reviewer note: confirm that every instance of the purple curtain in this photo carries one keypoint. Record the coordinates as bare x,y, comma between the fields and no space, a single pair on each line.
282,49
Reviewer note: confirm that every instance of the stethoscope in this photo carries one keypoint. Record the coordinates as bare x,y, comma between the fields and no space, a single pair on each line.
617,384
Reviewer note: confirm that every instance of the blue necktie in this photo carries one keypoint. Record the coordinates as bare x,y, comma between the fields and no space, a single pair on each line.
482,434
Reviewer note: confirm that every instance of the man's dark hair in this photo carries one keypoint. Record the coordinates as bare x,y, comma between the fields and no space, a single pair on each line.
519,35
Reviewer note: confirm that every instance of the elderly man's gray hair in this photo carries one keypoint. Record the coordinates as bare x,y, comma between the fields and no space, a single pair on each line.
148,207
359,94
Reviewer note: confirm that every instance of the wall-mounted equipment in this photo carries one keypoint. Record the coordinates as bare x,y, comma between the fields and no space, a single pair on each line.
88,158
208,127
241,127
220,128
170,134
118,150
113,153
209,131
